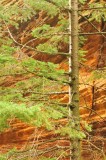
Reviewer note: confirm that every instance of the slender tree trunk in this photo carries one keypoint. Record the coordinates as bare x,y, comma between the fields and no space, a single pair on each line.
74,107
70,50
70,70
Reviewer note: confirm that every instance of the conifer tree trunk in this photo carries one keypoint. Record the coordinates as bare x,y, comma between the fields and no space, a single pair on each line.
74,107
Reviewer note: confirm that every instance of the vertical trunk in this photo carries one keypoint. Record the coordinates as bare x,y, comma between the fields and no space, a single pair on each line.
70,48
74,107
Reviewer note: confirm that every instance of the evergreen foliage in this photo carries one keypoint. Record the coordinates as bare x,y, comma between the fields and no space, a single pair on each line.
29,99
38,115
100,14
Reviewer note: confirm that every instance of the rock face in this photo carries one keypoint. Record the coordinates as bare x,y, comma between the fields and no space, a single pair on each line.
92,99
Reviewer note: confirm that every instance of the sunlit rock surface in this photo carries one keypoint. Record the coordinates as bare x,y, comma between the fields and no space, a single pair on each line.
92,96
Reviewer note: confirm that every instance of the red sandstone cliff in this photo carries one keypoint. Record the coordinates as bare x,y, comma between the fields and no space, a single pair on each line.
92,94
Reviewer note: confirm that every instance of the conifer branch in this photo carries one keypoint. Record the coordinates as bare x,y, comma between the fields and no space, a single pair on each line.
82,9
96,148
92,33
92,110
40,143
39,152
50,93
93,8
15,74
92,25
48,77
31,48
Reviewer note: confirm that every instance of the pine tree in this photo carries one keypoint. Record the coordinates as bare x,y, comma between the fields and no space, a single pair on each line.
41,78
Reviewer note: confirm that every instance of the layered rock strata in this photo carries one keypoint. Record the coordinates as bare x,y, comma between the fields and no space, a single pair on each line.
92,97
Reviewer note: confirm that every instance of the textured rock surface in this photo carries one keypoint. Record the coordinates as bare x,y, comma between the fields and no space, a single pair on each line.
92,96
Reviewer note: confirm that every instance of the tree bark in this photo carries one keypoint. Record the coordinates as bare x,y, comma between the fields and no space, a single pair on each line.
74,85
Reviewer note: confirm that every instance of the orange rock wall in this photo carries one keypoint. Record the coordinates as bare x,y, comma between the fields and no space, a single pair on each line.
92,95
